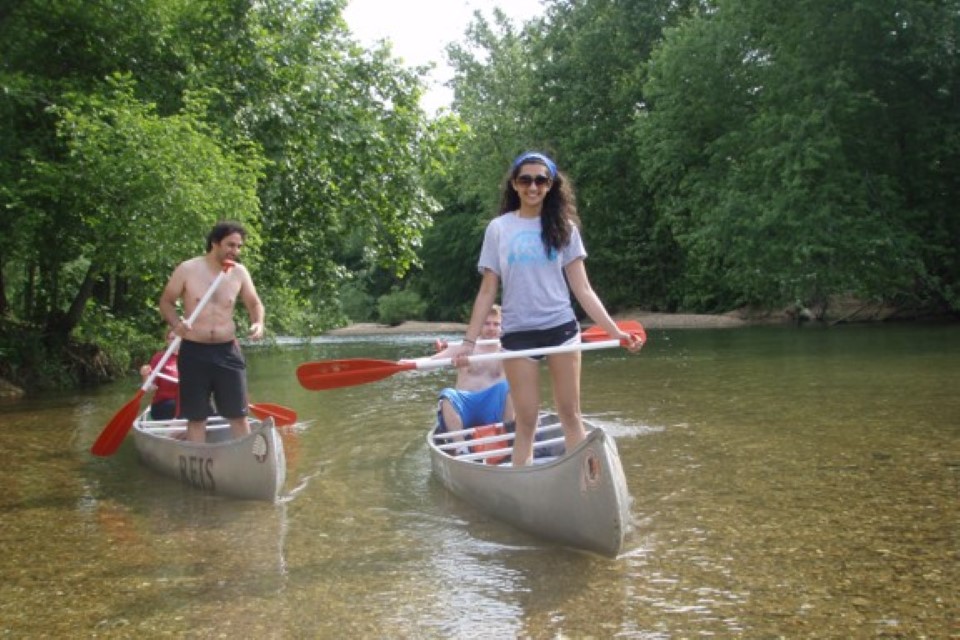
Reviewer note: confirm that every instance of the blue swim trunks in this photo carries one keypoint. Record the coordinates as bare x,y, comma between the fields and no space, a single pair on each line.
476,407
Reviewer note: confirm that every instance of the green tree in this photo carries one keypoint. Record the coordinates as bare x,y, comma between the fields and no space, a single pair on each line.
569,83
494,91
129,188
802,151
46,51
348,150
449,279
590,70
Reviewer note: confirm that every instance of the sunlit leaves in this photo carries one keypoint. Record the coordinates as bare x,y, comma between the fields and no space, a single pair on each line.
265,111
783,149
139,184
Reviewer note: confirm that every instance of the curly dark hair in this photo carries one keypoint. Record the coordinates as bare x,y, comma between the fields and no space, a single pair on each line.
223,229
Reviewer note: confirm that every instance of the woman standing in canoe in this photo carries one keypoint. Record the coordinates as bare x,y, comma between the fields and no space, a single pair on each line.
530,246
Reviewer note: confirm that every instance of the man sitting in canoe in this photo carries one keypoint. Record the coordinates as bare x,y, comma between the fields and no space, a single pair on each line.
481,395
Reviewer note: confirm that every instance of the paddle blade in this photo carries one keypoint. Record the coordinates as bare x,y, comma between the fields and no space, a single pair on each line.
334,374
282,416
116,430
596,334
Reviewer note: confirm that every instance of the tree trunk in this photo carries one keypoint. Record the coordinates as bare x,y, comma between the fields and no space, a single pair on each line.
63,324
29,289
4,303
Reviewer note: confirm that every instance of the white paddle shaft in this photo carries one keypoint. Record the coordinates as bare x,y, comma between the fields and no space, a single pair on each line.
437,363
193,316
481,341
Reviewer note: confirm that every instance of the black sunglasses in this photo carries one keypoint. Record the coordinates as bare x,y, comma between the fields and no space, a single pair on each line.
527,180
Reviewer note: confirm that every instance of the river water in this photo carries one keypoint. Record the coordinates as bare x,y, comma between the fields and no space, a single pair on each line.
785,483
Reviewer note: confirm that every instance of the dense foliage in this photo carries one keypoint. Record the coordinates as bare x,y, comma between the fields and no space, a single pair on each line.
733,153
726,153
818,146
131,126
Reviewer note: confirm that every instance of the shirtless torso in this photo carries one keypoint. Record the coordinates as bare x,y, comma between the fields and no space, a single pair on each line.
476,378
480,375
191,280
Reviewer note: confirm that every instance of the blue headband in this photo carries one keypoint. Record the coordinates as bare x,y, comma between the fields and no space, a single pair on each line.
533,155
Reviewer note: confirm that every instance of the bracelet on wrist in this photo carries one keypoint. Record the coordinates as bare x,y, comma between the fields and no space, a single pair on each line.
470,341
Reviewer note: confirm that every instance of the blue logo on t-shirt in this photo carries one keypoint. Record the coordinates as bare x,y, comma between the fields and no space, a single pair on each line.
526,247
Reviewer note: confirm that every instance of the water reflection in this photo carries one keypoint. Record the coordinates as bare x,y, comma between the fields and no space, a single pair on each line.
784,483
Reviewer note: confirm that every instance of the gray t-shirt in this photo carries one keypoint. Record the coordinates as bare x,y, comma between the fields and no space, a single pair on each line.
535,293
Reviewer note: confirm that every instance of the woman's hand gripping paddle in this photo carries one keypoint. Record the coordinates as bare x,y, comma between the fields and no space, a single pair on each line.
116,430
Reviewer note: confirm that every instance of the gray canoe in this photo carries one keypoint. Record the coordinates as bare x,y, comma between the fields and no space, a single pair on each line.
578,500
252,468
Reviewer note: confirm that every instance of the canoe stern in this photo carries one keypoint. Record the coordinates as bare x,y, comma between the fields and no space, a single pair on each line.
252,467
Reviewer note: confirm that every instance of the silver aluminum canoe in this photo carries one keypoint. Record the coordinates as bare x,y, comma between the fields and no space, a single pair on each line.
251,468
578,500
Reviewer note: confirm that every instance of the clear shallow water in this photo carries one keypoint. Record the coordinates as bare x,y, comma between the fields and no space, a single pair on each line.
785,483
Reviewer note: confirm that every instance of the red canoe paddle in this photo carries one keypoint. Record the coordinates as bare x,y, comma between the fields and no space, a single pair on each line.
282,416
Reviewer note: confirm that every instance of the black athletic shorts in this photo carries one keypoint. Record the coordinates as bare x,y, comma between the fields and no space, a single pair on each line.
566,333
212,369
164,410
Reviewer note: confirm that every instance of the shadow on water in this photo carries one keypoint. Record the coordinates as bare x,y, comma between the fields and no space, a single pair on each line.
785,484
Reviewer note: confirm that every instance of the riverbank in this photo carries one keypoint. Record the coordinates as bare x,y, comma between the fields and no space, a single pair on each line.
648,320
653,321
840,310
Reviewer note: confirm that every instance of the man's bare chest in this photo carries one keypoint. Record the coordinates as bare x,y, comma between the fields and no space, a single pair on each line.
224,296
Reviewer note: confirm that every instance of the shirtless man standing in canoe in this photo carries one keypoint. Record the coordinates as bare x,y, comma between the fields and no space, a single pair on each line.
210,360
